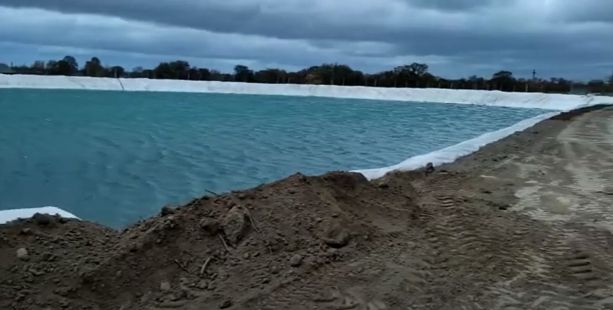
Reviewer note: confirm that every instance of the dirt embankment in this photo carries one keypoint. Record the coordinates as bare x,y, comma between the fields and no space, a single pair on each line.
524,223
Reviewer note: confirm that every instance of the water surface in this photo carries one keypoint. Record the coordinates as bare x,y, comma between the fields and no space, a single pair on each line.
115,157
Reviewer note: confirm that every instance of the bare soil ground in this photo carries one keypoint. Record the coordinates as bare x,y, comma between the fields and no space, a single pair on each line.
525,223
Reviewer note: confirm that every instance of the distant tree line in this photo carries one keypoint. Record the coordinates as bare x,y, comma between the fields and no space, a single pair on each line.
414,75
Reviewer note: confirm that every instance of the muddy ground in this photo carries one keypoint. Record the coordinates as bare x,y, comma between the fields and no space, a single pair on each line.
525,223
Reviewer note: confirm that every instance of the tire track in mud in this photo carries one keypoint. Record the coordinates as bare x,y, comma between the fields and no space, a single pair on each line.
534,268
577,247
578,257
565,257
459,241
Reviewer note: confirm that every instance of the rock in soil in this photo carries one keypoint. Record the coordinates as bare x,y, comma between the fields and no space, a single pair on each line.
22,253
296,260
210,226
225,304
429,168
235,225
42,219
337,236
167,210
165,286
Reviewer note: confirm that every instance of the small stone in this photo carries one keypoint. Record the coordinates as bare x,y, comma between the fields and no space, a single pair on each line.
274,269
429,168
296,260
169,222
210,226
133,247
42,219
26,231
503,207
235,225
203,285
62,291
225,304
167,210
178,296
22,253
165,286
246,255
336,236
37,273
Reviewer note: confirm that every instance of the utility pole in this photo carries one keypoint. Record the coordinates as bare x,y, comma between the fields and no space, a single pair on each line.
533,79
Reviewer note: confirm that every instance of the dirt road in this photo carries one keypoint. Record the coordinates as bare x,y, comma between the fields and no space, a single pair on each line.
562,179
525,223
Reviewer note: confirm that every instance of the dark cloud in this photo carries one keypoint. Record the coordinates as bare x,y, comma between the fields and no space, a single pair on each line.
356,20
459,37
213,15
586,11
457,5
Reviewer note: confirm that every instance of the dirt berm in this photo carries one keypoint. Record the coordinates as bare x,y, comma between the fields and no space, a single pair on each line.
524,223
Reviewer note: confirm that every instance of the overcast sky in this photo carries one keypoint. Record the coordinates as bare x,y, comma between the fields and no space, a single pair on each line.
457,38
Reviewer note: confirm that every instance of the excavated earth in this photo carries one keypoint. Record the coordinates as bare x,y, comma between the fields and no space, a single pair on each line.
525,223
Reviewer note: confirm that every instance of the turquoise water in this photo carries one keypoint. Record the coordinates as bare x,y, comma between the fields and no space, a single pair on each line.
115,157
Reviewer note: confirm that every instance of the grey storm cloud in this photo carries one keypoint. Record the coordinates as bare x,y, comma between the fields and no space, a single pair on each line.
457,5
290,19
458,37
587,11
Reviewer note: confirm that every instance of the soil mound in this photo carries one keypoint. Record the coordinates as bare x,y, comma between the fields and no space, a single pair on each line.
215,252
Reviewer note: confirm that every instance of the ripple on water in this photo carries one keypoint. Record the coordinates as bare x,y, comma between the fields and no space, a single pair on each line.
116,157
